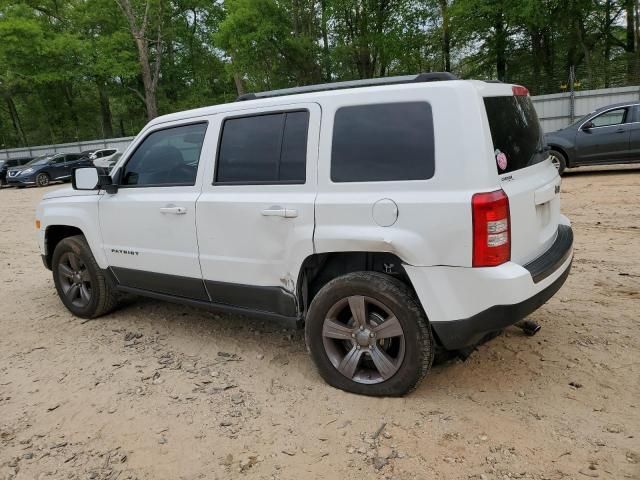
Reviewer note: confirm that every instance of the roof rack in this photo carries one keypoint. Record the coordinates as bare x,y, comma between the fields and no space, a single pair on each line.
370,82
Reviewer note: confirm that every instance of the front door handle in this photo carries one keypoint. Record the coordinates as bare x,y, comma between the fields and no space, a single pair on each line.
173,210
278,211
620,130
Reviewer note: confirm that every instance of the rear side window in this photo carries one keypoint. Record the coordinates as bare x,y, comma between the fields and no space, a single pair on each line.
516,133
264,149
383,142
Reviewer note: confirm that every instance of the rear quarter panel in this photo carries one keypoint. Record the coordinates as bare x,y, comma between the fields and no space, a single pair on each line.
434,216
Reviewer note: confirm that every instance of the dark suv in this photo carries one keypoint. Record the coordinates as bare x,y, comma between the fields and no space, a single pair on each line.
10,163
608,135
47,168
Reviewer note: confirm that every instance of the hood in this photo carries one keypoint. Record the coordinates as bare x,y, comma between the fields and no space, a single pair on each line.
24,167
68,191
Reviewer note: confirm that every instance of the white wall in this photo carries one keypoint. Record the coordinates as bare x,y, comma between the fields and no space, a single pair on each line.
554,110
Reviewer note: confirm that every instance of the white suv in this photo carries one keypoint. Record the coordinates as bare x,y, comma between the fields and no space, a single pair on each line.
103,158
392,216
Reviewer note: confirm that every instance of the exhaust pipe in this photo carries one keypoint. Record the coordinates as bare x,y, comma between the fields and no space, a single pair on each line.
529,327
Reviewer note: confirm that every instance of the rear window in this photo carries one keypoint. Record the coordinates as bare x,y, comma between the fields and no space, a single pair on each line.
516,133
383,142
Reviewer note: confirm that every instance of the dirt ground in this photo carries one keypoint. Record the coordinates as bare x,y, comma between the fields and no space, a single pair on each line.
160,391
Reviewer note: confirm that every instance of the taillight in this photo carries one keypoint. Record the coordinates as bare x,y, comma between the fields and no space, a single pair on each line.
491,229
519,90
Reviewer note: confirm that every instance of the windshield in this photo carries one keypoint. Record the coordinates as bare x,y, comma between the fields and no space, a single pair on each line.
516,133
41,160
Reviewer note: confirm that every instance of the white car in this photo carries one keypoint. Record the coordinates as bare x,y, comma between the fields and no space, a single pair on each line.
390,216
103,158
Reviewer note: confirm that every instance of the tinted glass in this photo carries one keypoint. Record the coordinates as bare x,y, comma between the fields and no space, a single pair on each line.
516,133
57,160
384,142
294,147
264,149
612,117
166,157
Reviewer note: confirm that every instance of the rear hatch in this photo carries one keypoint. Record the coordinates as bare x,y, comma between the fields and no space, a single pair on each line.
531,183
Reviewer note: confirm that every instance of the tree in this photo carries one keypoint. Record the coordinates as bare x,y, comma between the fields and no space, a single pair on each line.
140,24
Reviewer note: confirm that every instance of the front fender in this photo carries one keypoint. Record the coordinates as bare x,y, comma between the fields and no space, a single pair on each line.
80,212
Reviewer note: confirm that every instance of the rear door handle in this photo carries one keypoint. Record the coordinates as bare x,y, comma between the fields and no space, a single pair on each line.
278,211
173,210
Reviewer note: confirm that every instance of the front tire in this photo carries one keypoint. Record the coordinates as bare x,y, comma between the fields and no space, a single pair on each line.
368,335
558,160
81,284
42,180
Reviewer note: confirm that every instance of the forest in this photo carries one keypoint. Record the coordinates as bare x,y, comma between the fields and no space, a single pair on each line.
75,70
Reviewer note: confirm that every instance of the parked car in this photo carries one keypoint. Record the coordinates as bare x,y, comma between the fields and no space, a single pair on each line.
88,153
111,162
10,163
608,135
47,168
102,158
358,208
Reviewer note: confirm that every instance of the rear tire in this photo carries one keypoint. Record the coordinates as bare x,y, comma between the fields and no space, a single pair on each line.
558,160
387,353
80,282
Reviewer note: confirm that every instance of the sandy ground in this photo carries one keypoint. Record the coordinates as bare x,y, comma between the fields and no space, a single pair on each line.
159,391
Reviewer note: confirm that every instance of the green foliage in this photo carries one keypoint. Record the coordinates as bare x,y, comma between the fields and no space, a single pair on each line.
71,69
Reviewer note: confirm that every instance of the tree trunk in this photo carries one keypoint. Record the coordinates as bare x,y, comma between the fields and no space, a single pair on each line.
326,58
240,87
105,109
68,95
15,120
150,99
501,48
632,68
150,74
446,35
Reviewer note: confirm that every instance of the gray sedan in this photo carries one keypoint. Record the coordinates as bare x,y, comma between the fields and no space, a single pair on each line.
608,135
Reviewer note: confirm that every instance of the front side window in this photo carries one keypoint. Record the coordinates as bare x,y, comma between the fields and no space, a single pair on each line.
264,149
612,117
383,142
166,157
57,160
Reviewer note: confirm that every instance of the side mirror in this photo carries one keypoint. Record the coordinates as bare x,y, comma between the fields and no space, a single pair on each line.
587,126
89,178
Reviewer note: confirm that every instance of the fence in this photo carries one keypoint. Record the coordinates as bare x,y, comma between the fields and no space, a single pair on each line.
76,147
555,111
560,109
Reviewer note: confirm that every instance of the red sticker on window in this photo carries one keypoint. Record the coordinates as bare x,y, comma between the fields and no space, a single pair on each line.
501,160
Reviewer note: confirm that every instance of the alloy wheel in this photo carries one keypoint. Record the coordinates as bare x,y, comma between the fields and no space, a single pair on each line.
42,180
363,339
75,280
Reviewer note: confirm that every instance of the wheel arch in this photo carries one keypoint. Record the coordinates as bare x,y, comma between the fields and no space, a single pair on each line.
53,235
320,268
563,151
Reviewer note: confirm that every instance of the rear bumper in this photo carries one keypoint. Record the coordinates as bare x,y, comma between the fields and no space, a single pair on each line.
465,304
458,334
